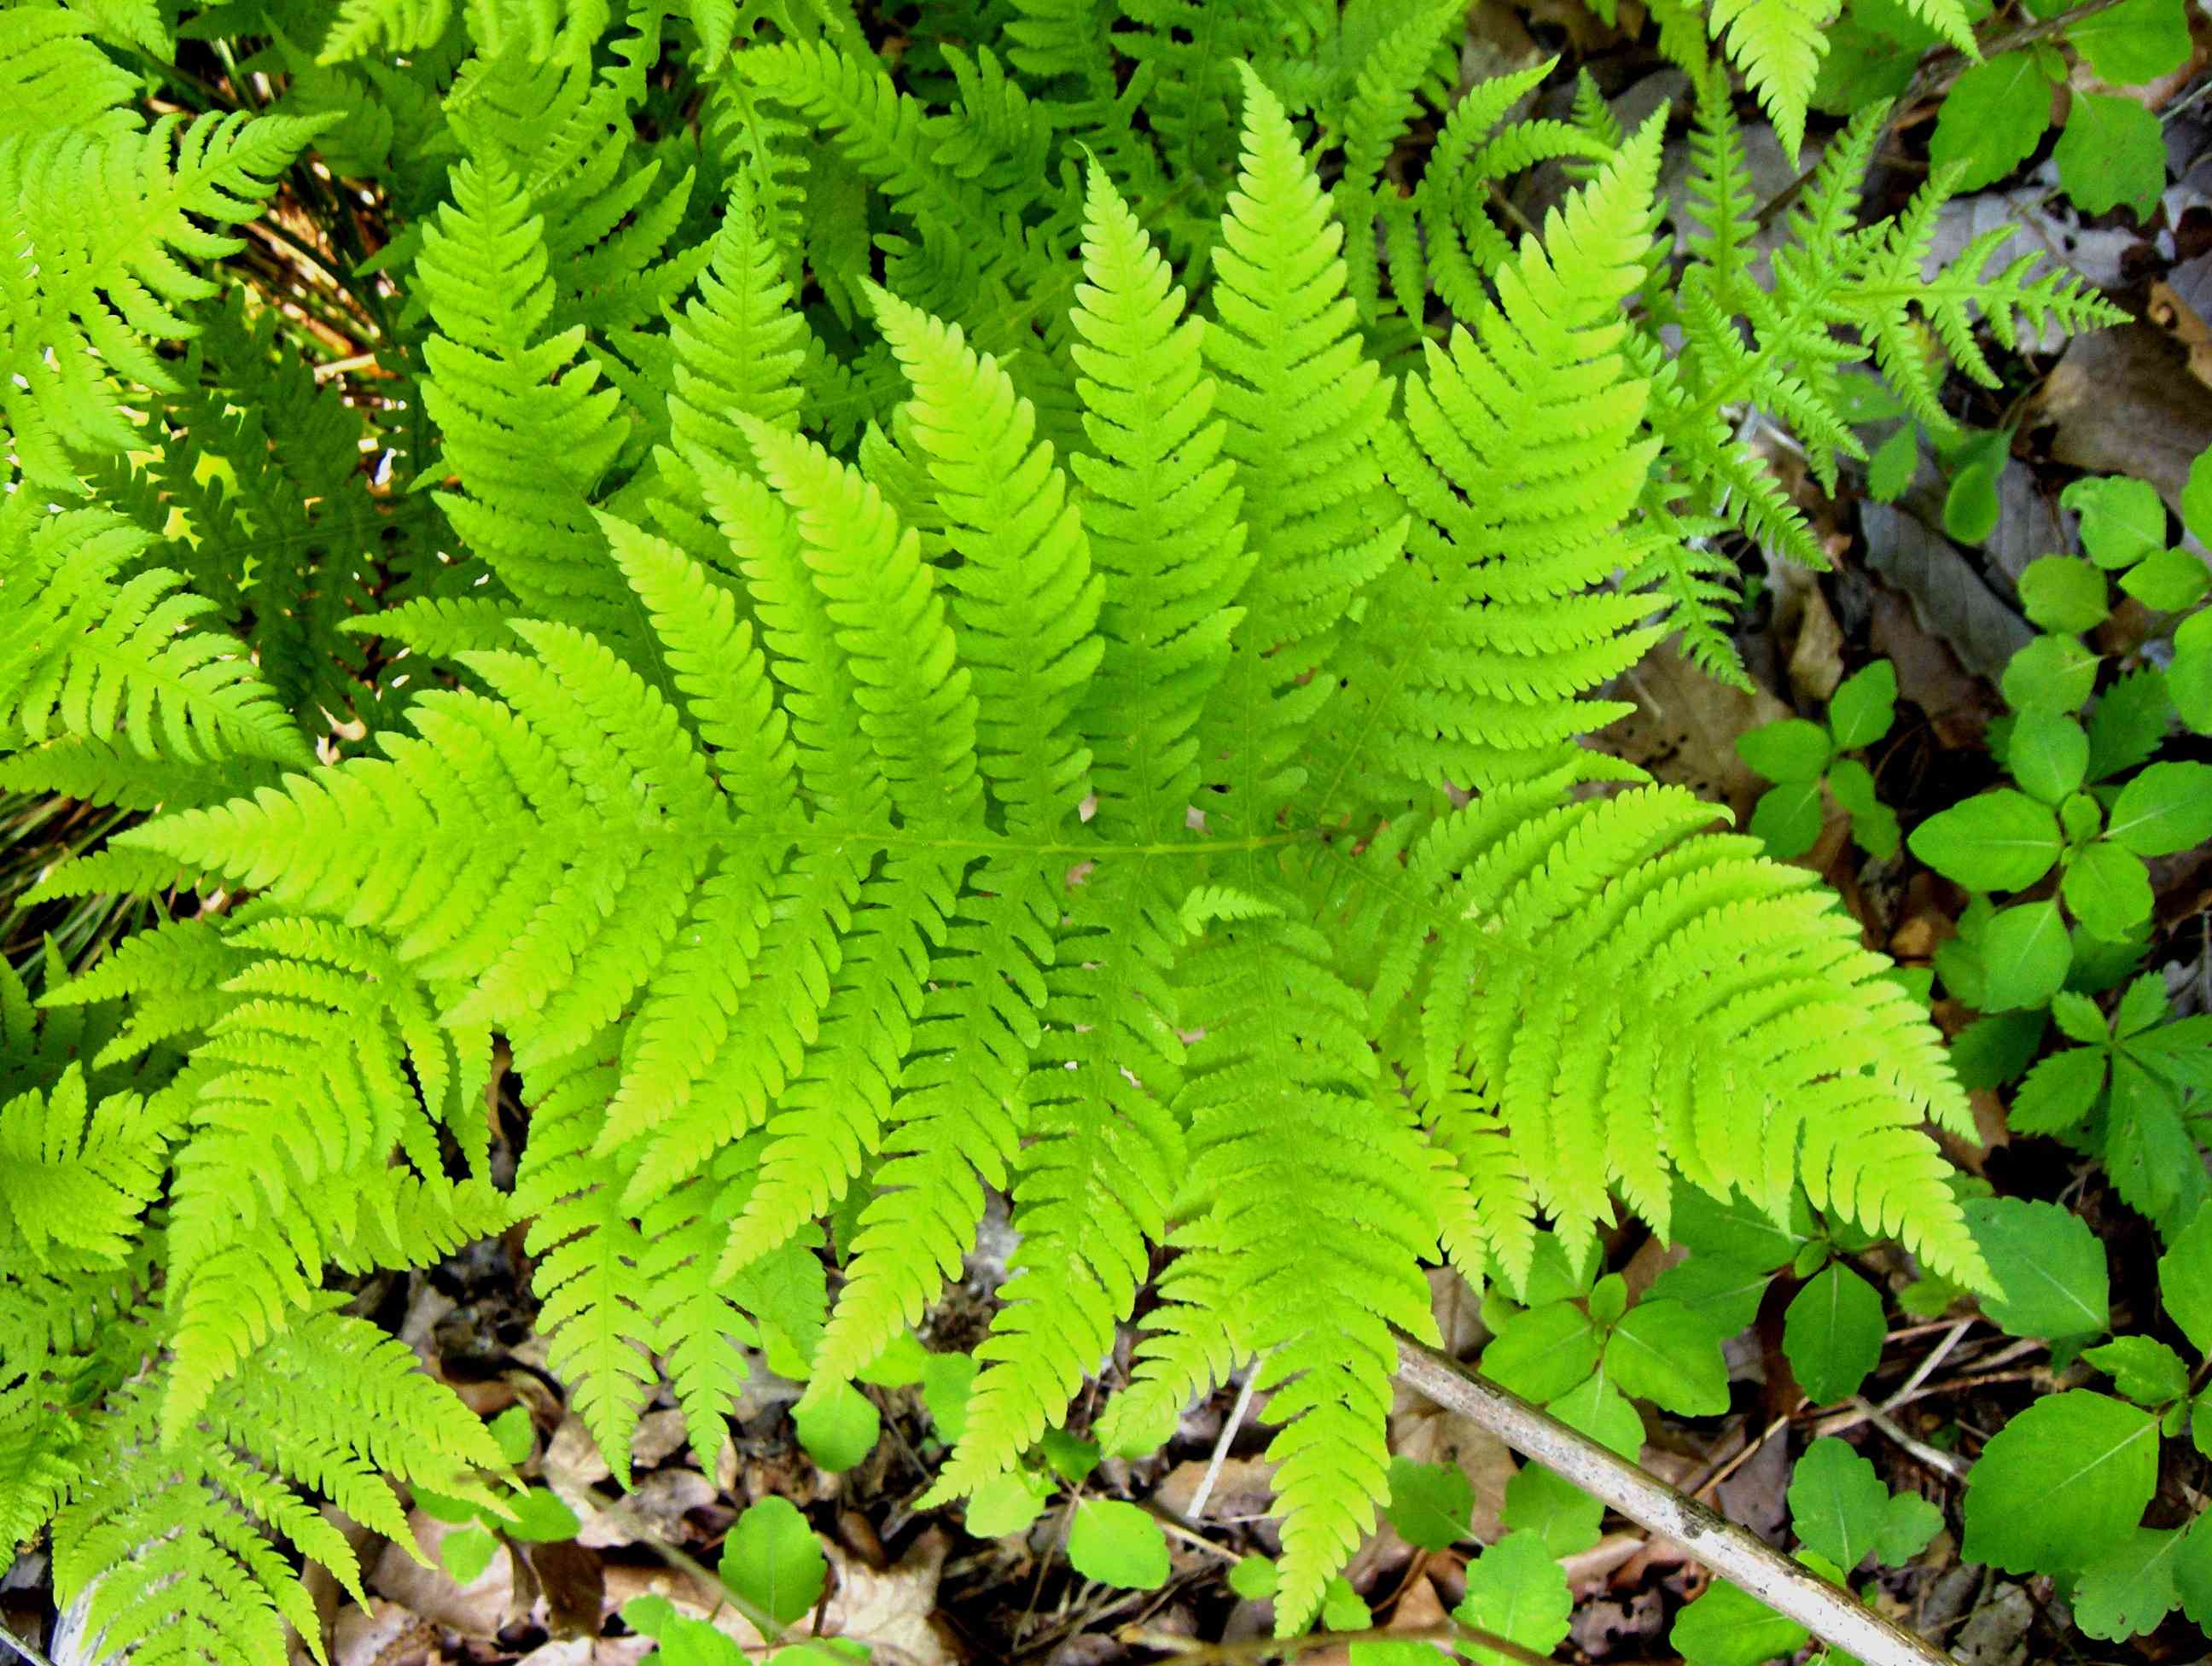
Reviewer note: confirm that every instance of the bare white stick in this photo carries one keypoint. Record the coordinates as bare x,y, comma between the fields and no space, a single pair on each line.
1236,1415
1829,1613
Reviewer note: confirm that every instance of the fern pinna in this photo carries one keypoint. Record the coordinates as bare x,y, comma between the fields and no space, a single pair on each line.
1082,697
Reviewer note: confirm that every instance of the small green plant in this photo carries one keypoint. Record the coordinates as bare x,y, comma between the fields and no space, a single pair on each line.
1801,756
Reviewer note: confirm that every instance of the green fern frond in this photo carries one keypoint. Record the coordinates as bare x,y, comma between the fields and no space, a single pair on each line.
82,295
92,649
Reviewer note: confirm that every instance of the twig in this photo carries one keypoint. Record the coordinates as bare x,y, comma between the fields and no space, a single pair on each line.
1286,1648
1940,1461
22,1647
1831,1614
1236,1415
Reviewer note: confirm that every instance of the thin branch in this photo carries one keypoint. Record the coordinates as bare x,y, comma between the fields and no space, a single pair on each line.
24,1650
1831,1614
1289,1648
1235,1421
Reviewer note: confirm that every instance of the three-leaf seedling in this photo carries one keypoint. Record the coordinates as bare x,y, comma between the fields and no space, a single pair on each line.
1799,755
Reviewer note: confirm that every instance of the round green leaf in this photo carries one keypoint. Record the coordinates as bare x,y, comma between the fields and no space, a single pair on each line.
1117,1544
1864,706
1555,1512
1541,1354
2024,955
1006,1503
1995,841
772,1560
466,1554
2053,671
1833,1333
1669,1354
2108,890
2142,1368
1787,818
2135,41
1994,116
2129,1590
2122,519
2189,678
1727,1627
512,1431
2050,1264
1431,1504
2048,753
2110,153
840,1429
2185,1281
2063,592
2171,580
1518,1591
1253,1579
2166,808
1791,749
1969,508
2062,1484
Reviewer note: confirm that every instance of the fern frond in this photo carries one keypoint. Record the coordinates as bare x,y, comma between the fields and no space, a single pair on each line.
85,294
92,649
1304,411
1163,522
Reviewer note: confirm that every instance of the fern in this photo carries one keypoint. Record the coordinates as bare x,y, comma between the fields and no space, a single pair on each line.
1089,706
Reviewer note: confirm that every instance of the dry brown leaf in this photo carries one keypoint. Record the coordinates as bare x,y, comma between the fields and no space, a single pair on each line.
897,1607
2121,401
478,1608
1684,728
1244,1488
1816,662
2179,319
383,1634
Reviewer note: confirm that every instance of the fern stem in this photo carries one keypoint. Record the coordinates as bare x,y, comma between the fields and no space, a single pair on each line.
1829,1613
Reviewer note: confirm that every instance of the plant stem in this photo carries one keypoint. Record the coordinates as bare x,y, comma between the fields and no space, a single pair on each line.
1831,1614
22,1647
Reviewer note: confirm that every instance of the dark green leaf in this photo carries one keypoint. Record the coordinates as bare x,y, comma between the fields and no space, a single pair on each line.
2144,1368
1726,1290
2108,889
2048,754
2129,1590
1995,841
772,1560
2132,718
1117,1544
2063,592
1994,1049
2050,1263
2058,1091
1864,706
2167,808
1833,1333
1431,1504
2062,1485
1669,1354
1789,751
1543,1353
1837,1502
2135,41
2111,152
